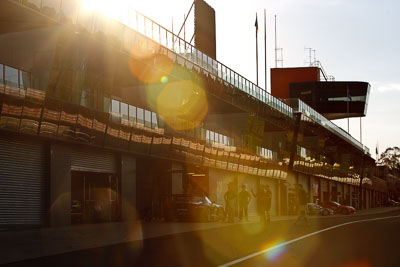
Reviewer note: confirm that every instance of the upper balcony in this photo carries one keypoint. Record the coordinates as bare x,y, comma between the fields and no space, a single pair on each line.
300,106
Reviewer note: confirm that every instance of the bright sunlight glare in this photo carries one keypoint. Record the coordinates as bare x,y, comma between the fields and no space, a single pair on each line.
116,9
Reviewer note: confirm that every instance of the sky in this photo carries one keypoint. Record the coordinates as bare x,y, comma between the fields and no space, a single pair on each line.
355,40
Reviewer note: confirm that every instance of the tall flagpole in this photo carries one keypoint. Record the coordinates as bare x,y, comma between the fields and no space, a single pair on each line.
276,49
265,46
256,24
348,119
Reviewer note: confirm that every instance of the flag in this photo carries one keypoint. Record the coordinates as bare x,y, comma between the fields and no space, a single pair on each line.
256,24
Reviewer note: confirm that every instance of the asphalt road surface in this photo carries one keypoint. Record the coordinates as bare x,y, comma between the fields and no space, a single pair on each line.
339,241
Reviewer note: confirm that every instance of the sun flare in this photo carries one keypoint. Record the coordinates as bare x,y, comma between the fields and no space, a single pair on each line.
117,9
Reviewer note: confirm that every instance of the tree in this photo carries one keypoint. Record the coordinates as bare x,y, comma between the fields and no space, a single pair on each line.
390,158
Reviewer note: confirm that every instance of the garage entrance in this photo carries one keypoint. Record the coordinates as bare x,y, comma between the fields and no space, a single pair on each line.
94,197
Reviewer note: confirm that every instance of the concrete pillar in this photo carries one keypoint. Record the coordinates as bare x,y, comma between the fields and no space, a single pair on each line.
60,186
128,188
278,197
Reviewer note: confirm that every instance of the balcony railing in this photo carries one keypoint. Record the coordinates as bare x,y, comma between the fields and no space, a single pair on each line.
31,112
302,107
182,50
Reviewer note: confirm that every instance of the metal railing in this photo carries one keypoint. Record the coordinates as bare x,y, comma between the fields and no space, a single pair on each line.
327,78
302,107
182,50
125,30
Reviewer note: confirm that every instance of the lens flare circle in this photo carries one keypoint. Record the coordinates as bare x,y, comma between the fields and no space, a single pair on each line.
274,254
182,104
164,79
149,68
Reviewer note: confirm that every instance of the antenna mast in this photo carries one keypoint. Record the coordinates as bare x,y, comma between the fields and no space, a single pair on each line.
278,49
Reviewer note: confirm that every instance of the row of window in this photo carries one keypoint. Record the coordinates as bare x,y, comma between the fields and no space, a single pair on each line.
302,152
266,153
150,119
13,77
213,137
134,114
306,154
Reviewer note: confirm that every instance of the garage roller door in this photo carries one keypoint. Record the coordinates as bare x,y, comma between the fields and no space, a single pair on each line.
21,182
93,161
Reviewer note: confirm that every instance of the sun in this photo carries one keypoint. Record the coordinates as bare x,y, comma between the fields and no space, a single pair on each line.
116,9
122,10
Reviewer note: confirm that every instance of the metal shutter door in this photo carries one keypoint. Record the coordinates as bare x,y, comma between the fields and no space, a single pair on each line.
21,182
93,161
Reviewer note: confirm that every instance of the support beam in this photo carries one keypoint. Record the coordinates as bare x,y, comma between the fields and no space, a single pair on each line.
293,149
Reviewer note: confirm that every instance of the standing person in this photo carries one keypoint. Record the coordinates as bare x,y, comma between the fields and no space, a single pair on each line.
301,204
268,200
261,201
230,202
244,199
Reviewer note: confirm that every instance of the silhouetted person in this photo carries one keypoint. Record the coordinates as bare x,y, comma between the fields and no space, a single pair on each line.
230,202
268,200
244,199
261,202
302,204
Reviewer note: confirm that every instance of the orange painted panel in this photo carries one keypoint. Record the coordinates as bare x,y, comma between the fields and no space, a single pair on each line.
282,77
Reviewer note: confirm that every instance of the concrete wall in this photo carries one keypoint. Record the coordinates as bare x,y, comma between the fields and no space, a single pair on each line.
128,188
304,181
291,180
346,193
340,192
60,185
177,178
324,189
251,181
273,187
219,180
218,183
332,187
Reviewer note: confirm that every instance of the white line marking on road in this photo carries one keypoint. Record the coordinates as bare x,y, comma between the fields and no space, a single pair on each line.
300,238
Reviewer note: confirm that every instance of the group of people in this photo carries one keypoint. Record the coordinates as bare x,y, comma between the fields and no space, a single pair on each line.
264,199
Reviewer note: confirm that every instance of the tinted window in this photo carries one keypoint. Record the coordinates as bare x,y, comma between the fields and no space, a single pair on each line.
24,80
154,120
140,115
132,113
124,110
147,118
115,106
11,76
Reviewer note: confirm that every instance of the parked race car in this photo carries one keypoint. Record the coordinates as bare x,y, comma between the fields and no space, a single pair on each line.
338,208
189,207
393,203
315,209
